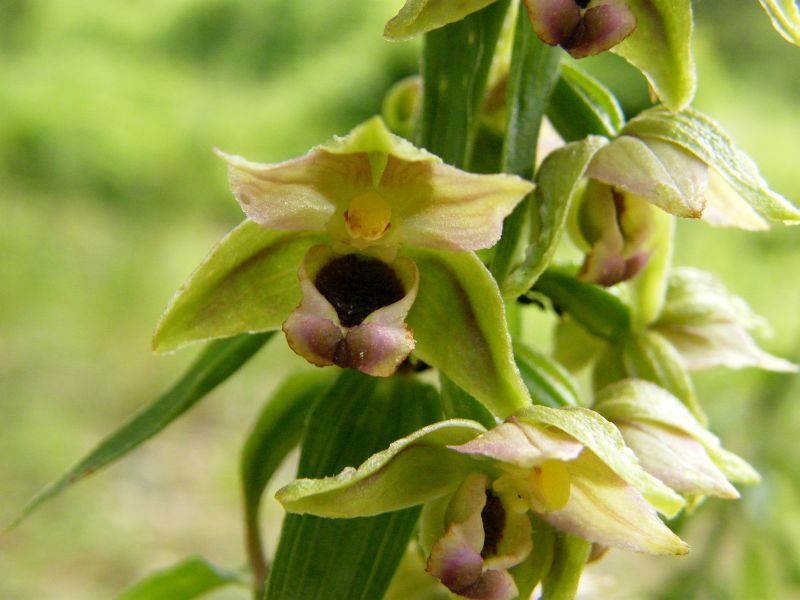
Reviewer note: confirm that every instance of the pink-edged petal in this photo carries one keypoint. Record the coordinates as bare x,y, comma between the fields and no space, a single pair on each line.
298,194
522,445
438,206
554,21
602,27
605,509
314,338
375,349
676,458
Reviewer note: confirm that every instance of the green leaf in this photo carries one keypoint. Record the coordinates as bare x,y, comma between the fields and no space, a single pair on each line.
569,558
458,404
459,324
218,361
277,431
547,381
348,559
247,283
581,106
190,578
531,78
704,138
785,16
661,48
559,181
605,441
455,65
419,16
600,312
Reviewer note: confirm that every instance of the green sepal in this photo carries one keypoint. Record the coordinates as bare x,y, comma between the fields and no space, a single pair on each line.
637,400
604,440
353,558
218,361
599,311
559,182
661,48
247,283
700,135
570,554
411,471
276,432
785,17
191,578
548,382
459,325
581,106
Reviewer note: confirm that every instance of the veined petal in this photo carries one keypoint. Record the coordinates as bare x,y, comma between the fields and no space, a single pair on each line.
642,401
419,16
676,458
413,470
605,441
522,444
605,509
663,173
298,194
438,206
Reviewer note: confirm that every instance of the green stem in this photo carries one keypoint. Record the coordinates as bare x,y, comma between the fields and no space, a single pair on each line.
455,65
649,289
569,558
531,78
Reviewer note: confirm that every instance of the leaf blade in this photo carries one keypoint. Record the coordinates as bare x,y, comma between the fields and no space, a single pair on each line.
189,579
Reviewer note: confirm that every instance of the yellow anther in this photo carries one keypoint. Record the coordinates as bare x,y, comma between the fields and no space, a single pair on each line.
550,485
368,216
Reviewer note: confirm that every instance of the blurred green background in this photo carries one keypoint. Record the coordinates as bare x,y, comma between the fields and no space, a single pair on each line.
110,195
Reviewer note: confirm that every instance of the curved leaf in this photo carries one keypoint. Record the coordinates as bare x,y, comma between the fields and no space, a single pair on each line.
581,106
785,16
548,382
419,16
189,579
247,283
350,559
661,48
605,440
559,180
276,432
411,471
218,361
458,320
703,137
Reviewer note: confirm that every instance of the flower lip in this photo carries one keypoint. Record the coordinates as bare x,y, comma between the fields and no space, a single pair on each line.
357,286
493,516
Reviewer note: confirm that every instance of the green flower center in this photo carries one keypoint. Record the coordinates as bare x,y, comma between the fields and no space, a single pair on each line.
357,286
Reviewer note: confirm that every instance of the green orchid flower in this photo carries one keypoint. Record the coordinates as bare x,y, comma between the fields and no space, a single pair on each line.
569,467
343,214
670,442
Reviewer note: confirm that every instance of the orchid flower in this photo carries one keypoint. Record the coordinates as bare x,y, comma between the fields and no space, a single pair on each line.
569,467
350,206
670,442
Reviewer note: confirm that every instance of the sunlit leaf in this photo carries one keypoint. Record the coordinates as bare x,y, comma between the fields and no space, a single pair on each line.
661,48
247,283
218,361
345,559
458,320
276,432
189,579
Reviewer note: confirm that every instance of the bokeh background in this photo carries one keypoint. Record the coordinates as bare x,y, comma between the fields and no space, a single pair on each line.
110,195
